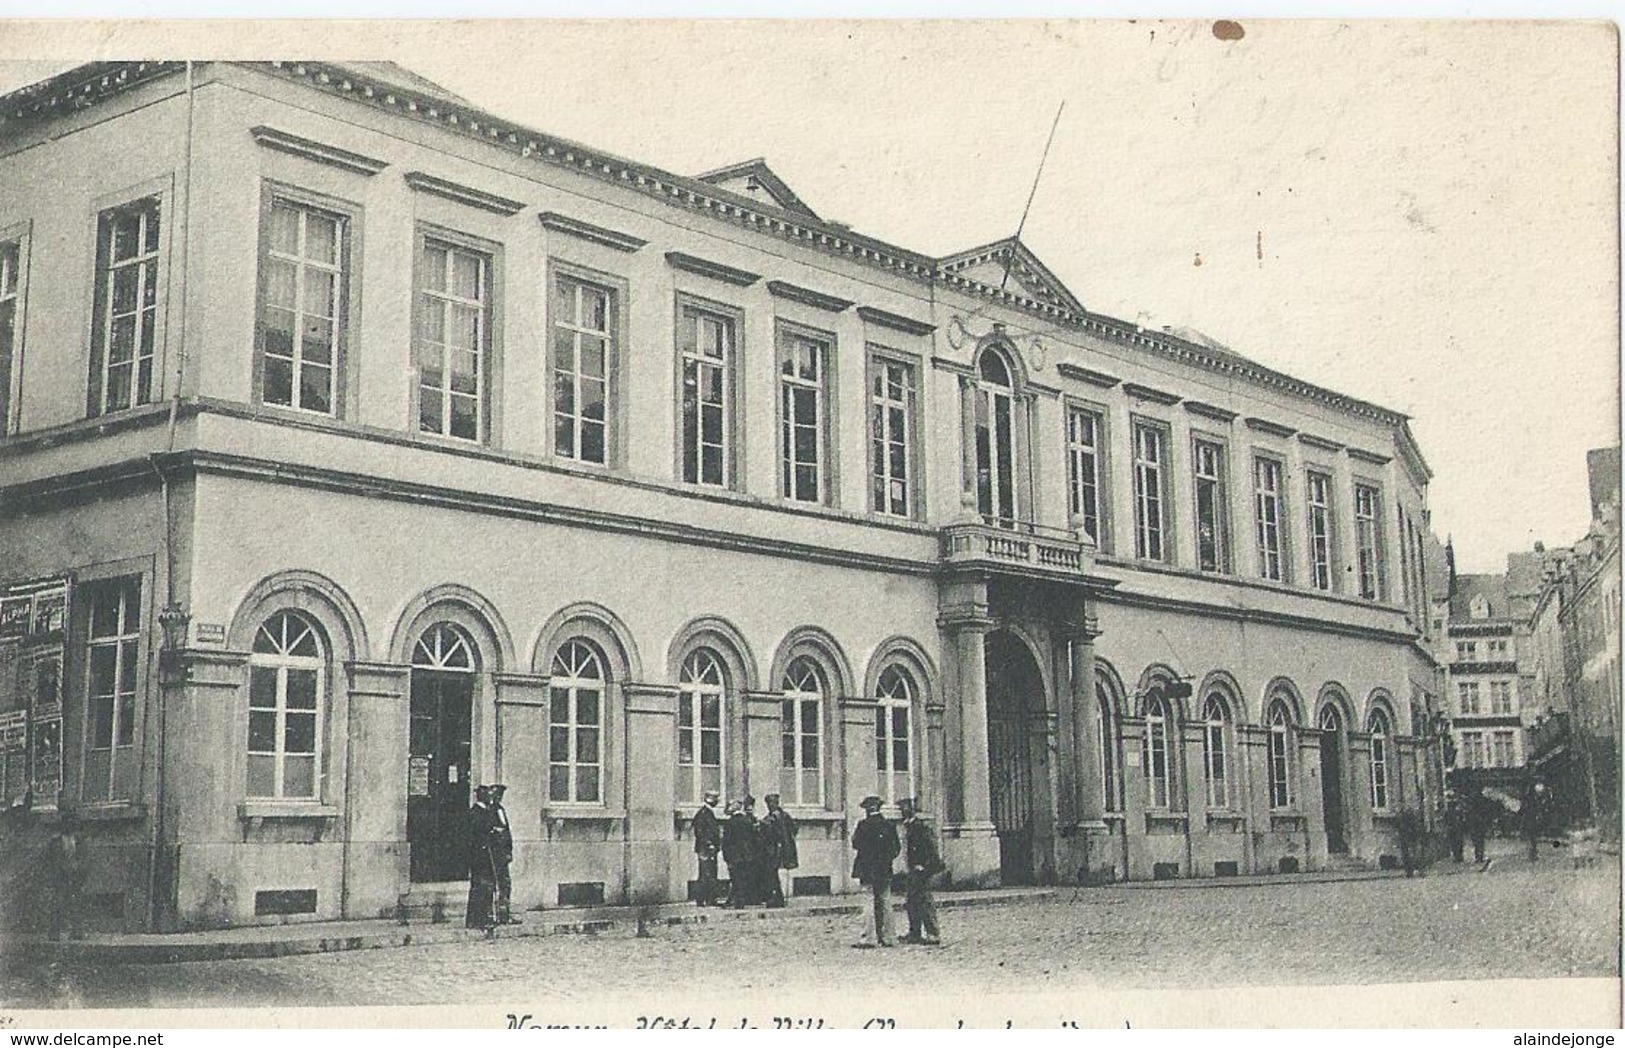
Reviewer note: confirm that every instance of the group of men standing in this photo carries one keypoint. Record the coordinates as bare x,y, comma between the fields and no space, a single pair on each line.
490,855
759,853
1473,814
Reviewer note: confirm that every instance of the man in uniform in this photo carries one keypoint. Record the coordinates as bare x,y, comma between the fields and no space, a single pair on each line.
707,843
502,858
922,861
779,840
875,841
482,878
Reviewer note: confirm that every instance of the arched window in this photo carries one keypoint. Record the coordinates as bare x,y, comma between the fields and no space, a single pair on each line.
1215,752
894,734
994,416
1380,734
287,671
702,693
1158,770
576,725
1110,794
801,775
1280,764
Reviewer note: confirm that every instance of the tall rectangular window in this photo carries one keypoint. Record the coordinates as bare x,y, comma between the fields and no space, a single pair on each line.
1150,497
1212,507
584,319
10,309
453,339
1368,539
301,316
113,671
891,437
124,336
706,341
1083,448
1501,698
1319,502
1467,698
1270,512
1501,742
803,416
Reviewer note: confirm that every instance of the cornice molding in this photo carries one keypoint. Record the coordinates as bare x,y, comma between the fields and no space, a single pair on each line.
574,227
1322,443
1067,369
424,182
1211,411
714,270
1370,457
1155,396
79,88
807,296
1264,425
895,321
319,152
953,367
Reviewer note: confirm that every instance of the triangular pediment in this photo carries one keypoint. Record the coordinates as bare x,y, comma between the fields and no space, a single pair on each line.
755,180
1010,264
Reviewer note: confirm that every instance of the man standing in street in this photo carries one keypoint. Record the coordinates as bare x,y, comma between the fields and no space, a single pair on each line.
482,879
1534,811
739,851
502,857
66,870
923,862
875,841
707,844
779,838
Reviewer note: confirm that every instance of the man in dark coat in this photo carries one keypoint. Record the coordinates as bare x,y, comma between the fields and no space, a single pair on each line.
740,851
1534,813
875,841
482,877
1455,827
1480,814
502,858
66,872
707,844
779,852
922,863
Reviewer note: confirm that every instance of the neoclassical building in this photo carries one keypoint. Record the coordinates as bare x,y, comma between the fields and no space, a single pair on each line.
358,445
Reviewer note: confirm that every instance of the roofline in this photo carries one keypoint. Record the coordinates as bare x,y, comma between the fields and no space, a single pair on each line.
682,191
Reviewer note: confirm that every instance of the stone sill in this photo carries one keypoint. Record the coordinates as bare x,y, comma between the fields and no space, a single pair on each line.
583,814
115,811
271,809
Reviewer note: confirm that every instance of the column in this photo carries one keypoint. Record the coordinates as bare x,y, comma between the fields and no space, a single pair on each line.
659,862
376,870
1085,843
1199,856
969,844
519,761
1312,796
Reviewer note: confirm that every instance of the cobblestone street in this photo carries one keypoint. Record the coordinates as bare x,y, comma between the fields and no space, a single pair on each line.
1514,922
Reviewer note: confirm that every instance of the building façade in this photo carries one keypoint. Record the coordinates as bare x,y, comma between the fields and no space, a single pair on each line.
360,445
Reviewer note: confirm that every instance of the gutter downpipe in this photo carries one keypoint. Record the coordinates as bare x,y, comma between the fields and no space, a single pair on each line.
171,612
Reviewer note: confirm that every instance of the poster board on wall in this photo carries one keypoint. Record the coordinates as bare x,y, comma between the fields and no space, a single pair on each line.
33,642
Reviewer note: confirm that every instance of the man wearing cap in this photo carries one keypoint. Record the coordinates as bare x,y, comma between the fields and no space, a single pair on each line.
922,861
741,851
875,840
502,857
779,852
707,843
482,878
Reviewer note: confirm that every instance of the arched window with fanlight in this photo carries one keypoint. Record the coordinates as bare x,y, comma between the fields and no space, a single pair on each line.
894,732
287,671
994,420
1159,723
576,725
1381,734
702,695
1215,749
1280,764
801,731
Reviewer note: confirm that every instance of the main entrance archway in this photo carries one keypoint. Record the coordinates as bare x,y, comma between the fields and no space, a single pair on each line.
1017,751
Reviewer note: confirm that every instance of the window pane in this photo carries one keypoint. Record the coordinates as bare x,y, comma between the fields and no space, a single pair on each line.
101,722
685,746
321,238
261,776
285,229
558,705
262,687
261,731
558,782
711,748
300,733
465,275
559,743
587,783
301,689
587,745
299,777
103,668
711,711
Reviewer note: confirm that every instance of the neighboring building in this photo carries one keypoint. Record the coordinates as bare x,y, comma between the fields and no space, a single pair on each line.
359,445
1484,680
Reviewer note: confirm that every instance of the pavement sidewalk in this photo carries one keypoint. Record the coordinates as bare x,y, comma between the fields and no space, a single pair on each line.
307,937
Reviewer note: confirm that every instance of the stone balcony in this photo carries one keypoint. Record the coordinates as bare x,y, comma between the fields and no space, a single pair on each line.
1018,548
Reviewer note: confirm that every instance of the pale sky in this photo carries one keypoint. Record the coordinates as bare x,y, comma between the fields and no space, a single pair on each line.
1436,202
